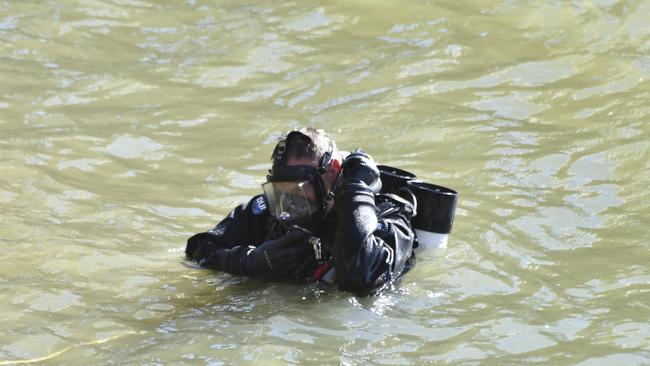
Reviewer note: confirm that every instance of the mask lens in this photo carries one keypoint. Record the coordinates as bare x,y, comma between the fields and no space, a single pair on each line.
291,201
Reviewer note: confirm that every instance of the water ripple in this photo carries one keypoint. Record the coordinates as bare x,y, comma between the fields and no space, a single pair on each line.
127,126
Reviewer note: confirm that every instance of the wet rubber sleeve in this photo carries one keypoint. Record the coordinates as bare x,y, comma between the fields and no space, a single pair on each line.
224,247
367,258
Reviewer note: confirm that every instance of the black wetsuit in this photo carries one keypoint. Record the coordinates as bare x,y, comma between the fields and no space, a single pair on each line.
367,238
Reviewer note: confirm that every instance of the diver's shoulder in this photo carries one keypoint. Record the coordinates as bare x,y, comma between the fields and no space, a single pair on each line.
258,205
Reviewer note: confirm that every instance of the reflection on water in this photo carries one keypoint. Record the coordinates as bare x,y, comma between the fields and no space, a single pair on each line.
126,126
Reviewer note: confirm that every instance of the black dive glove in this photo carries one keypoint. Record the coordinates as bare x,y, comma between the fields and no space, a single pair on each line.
199,247
289,256
359,167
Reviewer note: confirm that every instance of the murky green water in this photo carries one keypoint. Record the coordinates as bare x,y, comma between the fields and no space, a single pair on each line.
126,126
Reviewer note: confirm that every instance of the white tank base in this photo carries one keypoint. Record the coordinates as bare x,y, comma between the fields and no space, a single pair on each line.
430,241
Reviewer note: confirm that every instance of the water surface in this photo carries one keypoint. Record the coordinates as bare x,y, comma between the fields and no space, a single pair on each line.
126,126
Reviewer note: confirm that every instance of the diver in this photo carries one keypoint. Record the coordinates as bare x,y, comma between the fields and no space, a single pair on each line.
321,217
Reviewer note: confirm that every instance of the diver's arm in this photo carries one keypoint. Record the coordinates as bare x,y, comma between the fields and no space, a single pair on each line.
362,262
237,245
224,247
369,252
366,258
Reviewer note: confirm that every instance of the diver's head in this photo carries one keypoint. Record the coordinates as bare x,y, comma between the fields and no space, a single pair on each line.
305,166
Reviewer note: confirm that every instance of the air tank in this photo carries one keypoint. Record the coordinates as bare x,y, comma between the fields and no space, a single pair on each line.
436,206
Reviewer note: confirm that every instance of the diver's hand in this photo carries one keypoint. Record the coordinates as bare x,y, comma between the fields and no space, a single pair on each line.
289,255
359,167
200,246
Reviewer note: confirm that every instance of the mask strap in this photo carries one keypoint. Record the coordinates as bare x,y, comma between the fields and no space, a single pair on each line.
326,161
281,152
337,182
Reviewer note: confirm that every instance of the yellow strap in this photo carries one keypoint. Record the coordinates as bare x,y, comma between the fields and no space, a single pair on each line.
58,353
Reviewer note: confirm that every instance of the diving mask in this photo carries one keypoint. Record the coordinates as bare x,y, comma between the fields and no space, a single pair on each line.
291,202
